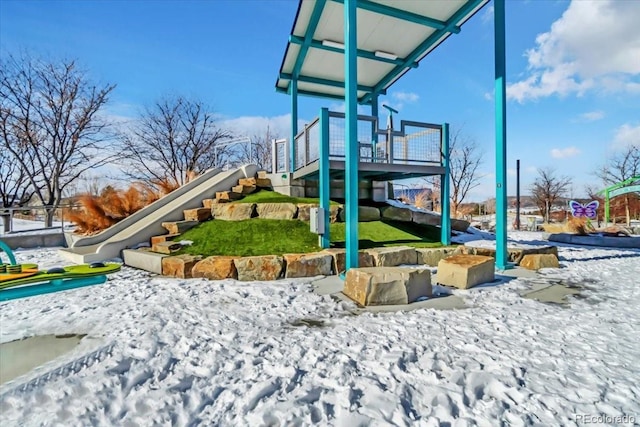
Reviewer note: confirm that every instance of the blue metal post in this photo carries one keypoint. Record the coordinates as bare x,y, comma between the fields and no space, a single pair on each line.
374,136
445,220
324,175
351,118
293,92
501,136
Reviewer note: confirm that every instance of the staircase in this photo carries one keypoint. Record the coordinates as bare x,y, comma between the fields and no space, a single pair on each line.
166,244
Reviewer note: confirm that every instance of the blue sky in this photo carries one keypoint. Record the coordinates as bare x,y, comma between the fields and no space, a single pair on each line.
573,70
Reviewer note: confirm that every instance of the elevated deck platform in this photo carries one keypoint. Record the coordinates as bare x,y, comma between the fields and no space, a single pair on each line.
369,171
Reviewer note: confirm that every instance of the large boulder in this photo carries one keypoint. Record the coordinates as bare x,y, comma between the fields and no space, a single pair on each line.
179,265
538,261
307,265
432,256
466,271
393,255
233,211
276,210
387,285
396,214
179,227
215,268
305,208
365,214
514,253
268,267
339,259
428,218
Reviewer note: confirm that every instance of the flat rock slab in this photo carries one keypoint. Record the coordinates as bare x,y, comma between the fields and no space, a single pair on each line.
428,218
199,214
387,285
466,271
268,267
307,265
164,238
215,268
515,253
233,211
179,266
166,248
227,196
340,256
393,256
432,256
538,261
396,214
276,210
179,227
365,214
244,189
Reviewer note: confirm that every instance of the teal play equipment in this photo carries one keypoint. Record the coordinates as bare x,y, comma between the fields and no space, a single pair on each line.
326,58
43,282
631,185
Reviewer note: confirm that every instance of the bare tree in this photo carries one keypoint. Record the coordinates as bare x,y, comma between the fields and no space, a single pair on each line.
547,188
15,188
172,141
49,123
464,160
258,152
621,166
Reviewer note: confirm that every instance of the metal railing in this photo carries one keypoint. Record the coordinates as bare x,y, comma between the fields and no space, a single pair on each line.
416,143
35,215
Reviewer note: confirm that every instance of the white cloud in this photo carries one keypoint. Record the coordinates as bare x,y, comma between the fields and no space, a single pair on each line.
592,116
279,126
563,153
487,16
409,97
627,135
594,45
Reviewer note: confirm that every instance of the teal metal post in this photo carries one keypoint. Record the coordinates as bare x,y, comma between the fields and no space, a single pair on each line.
374,135
501,136
351,118
293,92
445,210
324,175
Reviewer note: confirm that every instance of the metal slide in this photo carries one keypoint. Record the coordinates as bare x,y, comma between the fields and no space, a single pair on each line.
147,222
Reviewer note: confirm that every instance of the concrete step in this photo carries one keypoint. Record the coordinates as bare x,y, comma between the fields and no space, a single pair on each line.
179,227
198,214
143,259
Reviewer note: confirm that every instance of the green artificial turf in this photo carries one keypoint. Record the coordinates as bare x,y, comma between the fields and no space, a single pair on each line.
277,237
267,196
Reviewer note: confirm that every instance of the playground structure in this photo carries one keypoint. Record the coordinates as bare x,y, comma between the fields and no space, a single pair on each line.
22,281
354,50
631,185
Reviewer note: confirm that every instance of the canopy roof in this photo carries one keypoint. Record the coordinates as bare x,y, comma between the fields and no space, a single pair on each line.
393,37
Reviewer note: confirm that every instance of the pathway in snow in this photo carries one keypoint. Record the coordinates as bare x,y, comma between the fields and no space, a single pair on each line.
275,353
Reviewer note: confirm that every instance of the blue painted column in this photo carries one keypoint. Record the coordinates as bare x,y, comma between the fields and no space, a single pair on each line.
323,184
501,135
374,135
351,132
293,92
445,219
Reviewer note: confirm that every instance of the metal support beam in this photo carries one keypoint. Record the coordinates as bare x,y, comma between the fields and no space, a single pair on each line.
293,92
445,218
325,82
323,184
311,29
374,135
426,46
351,132
317,44
403,14
501,135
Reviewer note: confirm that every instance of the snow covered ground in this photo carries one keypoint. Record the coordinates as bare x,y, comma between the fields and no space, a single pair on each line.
33,227
189,352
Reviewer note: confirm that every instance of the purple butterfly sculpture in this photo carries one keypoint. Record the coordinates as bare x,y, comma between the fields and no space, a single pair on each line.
578,210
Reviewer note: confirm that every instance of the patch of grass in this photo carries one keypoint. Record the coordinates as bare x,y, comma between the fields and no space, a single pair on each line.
389,233
276,237
268,196
250,237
